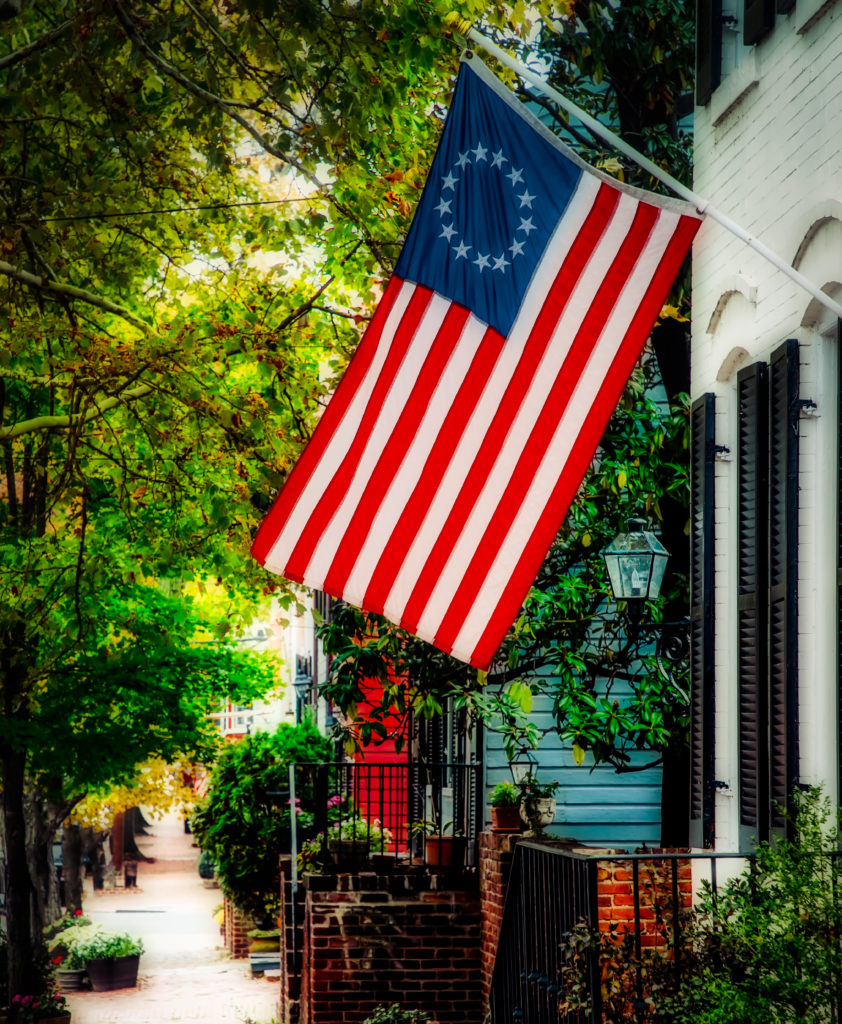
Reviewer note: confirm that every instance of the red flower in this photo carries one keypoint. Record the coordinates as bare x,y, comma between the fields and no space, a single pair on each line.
57,959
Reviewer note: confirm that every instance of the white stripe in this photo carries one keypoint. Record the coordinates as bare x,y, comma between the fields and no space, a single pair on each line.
564,437
390,411
530,409
465,453
414,459
339,444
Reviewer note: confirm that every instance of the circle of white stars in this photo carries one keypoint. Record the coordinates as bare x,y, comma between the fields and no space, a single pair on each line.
475,157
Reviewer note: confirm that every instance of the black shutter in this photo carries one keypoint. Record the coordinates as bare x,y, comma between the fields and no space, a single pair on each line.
785,6
708,48
702,622
758,18
783,580
752,685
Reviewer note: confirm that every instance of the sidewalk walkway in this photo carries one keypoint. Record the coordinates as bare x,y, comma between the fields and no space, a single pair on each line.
185,972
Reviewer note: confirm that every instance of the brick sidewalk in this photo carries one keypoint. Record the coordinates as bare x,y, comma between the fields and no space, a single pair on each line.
185,973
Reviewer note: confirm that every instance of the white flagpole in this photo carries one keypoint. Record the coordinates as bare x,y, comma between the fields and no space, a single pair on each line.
702,205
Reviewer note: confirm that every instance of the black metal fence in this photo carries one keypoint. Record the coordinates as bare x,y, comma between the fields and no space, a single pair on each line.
350,815
555,895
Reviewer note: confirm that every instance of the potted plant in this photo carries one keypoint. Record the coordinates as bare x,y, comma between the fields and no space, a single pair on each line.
351,840
442,847
538,805
62,938
505,807
111,960
48,1007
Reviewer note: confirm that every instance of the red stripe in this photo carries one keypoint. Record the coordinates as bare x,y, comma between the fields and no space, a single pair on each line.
586,340
272,525
409,523
396,448
566,280
586,443
327,505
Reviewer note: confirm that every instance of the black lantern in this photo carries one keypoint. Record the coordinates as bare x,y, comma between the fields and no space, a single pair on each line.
522,765
636,561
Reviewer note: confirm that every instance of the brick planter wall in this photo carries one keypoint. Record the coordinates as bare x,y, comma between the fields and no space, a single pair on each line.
237,927
376,939
496,852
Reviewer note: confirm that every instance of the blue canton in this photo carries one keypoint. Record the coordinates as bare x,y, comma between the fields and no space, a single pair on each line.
495,192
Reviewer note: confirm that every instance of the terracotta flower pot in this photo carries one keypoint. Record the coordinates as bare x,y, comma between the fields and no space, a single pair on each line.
505,819
70,979
444,851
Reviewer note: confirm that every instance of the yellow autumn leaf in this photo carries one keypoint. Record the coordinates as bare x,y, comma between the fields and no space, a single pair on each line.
578,754
622,479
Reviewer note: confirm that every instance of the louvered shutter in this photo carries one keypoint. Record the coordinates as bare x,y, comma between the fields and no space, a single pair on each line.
783,580
708,48
785,6
758,18
752,684
702,622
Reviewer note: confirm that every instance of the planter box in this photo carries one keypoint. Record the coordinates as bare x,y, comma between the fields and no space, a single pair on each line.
70,980
117,972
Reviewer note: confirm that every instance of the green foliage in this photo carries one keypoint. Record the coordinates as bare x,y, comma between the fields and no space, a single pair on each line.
763,949
393,1014
237,823
767,947
95,944
504,794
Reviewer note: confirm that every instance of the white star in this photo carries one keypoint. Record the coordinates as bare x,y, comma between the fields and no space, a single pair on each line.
526,225
500,262
482,262
516,248
447,231
526,200
499,159
515,176
462,250
448,182
479,152
444,206
463,159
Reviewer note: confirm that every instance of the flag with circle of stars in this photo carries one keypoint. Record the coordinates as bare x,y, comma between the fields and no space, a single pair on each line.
446,460
496,191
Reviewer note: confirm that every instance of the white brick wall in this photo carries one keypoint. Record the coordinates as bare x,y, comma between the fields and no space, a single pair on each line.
769,154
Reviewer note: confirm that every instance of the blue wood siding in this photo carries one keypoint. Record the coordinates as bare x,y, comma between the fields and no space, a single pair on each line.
594,805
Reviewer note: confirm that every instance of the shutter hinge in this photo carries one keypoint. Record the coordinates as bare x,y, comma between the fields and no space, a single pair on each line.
724,787
807,409
722,453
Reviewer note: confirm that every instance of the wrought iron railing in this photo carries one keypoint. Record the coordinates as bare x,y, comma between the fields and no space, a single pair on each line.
553,892
358,814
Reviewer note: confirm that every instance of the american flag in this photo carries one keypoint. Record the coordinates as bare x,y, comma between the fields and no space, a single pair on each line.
446,460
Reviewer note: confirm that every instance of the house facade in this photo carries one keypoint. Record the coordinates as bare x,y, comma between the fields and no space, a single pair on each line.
766,424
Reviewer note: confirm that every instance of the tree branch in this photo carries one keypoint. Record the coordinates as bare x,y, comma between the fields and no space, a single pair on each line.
68,291
41,42
67,422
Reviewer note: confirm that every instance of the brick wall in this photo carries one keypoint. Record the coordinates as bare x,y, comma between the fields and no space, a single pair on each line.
616,902
236,929
496,852
375,939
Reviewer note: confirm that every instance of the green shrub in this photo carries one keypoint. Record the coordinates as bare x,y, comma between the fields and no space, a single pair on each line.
764,949
237,825
95,944
395,1015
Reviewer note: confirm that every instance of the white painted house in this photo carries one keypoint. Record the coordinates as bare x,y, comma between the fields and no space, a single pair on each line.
766,447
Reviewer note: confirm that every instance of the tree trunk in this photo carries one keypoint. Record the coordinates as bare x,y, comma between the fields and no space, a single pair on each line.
19,889
71,849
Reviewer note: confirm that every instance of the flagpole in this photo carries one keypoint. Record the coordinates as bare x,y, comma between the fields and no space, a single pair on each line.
702,205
